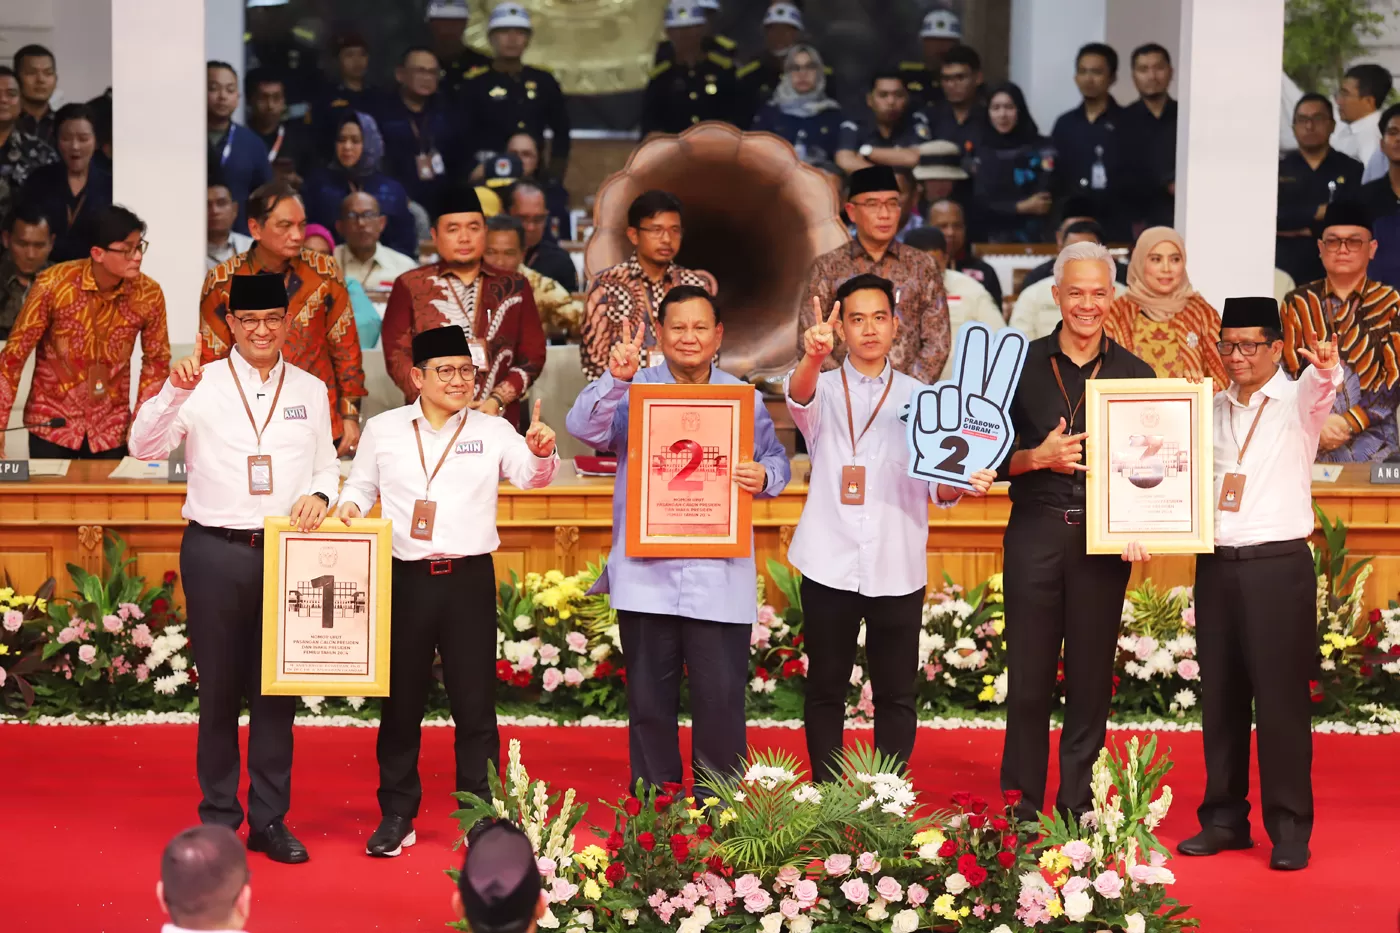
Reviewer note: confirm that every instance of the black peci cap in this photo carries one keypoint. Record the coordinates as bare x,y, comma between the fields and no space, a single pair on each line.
500,880
450,340
459,199
873,178
1250,312
1346,214
262,292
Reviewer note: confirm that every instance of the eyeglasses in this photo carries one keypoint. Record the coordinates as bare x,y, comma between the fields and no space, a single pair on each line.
1247,348
1320,119
363,217
445,373
1353,244
889,205
662,232
138,250
250,324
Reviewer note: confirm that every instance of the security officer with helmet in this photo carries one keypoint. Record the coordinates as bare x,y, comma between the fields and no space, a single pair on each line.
694,85
714,42
941,31
447,22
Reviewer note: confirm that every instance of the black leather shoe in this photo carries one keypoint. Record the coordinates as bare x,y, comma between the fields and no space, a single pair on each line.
1214,839
393,835
1289,856
278,843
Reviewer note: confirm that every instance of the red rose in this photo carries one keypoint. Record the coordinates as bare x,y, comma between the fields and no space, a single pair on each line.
1364,670
948,849
672,788
681,851
615,840
792,668
632,807
1375,615
977,821
1012,797
716,865
1370,642
761,673
663,801
622,675
704,831
159,605
962,799
796,641
978,804
680,840
1000,825
615,873
1009,841
647,841
503,670
521,679
1317,698
966,863
603,669
1007,859
171,577
975,875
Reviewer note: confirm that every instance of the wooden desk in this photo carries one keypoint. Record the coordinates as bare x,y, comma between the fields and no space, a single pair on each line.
48,523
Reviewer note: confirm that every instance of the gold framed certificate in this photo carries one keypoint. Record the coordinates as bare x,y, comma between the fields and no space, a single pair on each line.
1150,458
682,444
326,608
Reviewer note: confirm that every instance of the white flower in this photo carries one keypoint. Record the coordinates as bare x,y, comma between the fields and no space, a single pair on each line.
179,662
355,702
771,923
857,675
584,919
955,883
768,777
630,915
1330,665
313,703
1157,809
1002,929
548,921
697,921
906,921
524,623
1000,686
860,635
1078,906
1185,699
759,685
800,925
1134,923
600,652
807,793
877,911
171,682
1161,662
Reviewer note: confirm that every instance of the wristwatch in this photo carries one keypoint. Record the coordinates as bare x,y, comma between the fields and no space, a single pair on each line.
866,150
323,497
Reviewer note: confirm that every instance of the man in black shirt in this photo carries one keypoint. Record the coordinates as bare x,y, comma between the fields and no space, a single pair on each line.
960,116
1382,196
526,202
1309,178
693,84
947,215
941,30
1056,593
891,137
291,147
351,92
1093,155
447,24
1151,119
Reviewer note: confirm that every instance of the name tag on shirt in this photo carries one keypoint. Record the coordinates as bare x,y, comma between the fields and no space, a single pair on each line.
260,475
424,515
294,413
469,447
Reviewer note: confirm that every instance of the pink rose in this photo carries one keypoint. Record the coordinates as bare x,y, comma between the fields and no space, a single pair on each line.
856,891
758,635
1108,884
526,663
756,902
3,676
141,636
889,889
549,654
789,908
917,894
837,865
552,679
573,677
767,615
68,635
746,885
1078,852
1075,885
1146,646
1188,617
788,876
806,892
577,642
868,862
133,611
1188,669
142,672
13,620
112,624
87,654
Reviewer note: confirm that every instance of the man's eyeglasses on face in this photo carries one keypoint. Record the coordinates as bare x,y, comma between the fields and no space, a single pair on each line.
129,251
274,322
1353,244
445,373
362,217
1246,347
1320,119
662,232
889,205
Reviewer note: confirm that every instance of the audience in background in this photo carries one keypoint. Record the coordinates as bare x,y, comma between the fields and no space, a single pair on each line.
891,136
204,881
291,147
447,25
354,167
1380,196
939,32
351,92
801,111
38,79
237,150
422,139
73,191
961,117
1036,312
1011,195
25,244
363,258
759,79
1151,119
1162,319
561,314
948,216
694,83
1093,157
20,154
367,320
1310,178
1360,97
968,301
527,202
524,148
222,242
498,888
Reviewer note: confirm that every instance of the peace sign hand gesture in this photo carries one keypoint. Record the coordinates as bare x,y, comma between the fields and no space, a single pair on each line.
820,339
626,357
540,437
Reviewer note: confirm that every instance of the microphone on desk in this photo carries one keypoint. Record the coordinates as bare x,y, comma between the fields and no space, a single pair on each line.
57,422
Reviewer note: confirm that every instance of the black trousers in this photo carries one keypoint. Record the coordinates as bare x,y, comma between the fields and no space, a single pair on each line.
452,615
40,449
1057,595
224,589
1256,635
660,649
831,625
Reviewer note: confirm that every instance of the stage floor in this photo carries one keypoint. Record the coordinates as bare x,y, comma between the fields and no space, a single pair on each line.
88,809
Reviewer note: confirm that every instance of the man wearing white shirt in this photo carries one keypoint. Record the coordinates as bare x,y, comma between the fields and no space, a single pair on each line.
1359,100
222,242
442,503
362,256
1256,611
204,881
861,544
257,435
968,299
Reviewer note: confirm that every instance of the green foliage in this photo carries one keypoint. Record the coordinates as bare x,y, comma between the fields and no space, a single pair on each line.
789,583
1331,558
1322,37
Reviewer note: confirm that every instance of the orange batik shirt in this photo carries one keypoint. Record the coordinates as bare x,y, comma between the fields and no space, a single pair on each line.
321,338
78,331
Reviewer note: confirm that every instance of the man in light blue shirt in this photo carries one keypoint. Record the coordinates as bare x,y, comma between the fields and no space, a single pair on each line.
679,614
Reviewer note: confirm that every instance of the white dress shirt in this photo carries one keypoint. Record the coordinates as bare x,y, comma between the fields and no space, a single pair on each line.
1277,500
387,468
219,439
968,300
1359,139
379,273
215,253
879,548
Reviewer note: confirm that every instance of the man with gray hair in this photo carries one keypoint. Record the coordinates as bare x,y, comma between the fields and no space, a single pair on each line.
1056,594
204,881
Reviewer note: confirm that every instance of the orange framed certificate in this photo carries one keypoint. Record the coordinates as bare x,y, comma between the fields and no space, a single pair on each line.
682,444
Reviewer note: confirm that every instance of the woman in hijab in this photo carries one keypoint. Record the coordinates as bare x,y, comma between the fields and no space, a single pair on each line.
801,112
358,151
1161,318
1015,168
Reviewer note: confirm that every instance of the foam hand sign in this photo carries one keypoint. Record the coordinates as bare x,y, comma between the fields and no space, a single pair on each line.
958,428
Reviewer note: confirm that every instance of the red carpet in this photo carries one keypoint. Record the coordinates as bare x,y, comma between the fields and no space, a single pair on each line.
87,810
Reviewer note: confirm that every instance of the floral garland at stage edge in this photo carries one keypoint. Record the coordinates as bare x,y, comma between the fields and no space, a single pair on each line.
771,851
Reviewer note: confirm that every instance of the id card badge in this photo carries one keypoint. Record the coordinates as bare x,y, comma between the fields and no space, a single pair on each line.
424,163
478,352
653,357
853,485
424,514
1231,492
98,379
436,164
260,475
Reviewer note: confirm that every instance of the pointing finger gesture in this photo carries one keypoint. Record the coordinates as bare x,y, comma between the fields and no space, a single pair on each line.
540,437
186,373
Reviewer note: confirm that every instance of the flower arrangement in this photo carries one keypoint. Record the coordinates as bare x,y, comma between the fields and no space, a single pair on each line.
21,644
768,851
1158,670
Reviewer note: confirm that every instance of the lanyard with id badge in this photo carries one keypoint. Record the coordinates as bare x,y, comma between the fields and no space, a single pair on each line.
476,345
425,509
853,476
428,163
259,464
1232,486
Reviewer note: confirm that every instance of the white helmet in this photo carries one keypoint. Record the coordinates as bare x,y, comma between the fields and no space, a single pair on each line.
941,24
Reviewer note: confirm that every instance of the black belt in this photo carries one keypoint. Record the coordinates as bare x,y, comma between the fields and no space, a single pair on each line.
1069,516
1256,551
247,537
432,568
